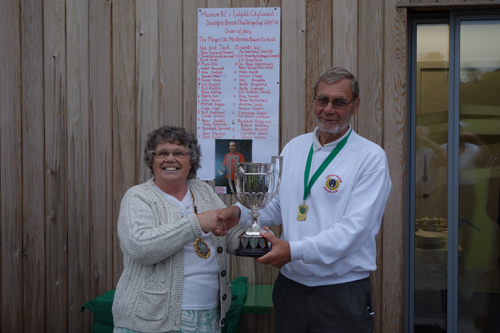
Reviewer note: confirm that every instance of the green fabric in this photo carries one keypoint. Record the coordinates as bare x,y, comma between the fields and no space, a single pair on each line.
101,307
239,294
103,317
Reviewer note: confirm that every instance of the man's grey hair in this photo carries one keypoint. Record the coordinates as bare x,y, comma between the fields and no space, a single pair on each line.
336,74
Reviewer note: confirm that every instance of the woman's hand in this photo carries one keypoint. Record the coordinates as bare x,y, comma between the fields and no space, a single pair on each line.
209,221
230,216
219,221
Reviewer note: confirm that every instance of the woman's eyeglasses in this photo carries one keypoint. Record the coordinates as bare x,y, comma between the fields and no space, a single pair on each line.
162,155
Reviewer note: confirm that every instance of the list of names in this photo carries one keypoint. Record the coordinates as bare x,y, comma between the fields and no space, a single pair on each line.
238,79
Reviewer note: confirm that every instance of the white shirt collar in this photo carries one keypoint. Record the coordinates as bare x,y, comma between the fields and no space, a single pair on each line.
317,145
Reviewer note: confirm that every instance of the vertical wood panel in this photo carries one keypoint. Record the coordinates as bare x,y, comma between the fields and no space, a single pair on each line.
124,115
77,28
170,61
218,3
56,223
101,109
293,69
268,3
243,3
370,116
319,50
33,165
147,78
395,26
11,210
345,35
345,38
370,69
190,56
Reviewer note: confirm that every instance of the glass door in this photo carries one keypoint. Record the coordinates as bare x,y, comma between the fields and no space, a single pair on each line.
430,177
479,167
453,248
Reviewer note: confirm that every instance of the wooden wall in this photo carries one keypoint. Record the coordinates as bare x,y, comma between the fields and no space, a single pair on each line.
82,83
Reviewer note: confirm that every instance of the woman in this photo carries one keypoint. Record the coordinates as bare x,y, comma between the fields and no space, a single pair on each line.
175,271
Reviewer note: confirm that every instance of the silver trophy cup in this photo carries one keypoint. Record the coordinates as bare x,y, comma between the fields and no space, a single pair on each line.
254,185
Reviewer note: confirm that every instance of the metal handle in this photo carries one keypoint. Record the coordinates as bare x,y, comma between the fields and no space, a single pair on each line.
273,160
230,159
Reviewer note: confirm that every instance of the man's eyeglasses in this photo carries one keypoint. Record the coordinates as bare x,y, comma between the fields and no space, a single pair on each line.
162,155
337,103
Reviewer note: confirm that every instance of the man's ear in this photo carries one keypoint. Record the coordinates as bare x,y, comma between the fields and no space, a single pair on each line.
356,107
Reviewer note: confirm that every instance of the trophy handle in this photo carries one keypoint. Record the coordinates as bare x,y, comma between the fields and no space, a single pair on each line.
230,160
273,160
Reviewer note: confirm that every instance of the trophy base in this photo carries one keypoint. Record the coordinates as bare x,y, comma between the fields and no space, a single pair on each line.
252,246
255,253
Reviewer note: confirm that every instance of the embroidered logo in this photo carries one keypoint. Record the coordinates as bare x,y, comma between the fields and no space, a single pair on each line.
332,183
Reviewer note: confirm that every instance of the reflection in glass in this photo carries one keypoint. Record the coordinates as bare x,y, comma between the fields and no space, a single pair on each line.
431,178
479,165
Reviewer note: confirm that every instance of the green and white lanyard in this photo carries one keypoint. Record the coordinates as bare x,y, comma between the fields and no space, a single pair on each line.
302,215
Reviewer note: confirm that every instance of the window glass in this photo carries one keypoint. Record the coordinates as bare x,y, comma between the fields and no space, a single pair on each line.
479,170
432,55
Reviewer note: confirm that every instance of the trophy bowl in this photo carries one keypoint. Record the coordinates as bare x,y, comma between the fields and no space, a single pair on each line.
255,184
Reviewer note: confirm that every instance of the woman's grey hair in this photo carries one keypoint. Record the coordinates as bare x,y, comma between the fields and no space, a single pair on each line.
173,134
336,74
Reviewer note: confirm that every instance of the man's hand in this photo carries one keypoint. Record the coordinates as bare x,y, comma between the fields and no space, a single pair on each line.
280,254
228,218
210,222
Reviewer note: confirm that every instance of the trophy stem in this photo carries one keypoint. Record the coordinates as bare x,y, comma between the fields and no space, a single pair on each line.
254,213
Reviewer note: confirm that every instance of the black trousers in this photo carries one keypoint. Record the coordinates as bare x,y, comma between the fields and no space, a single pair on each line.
345,307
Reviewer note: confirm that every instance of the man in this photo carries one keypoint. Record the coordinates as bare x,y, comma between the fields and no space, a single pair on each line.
327,249
232,152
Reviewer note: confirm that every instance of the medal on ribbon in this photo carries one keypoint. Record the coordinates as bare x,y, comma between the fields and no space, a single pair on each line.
302,215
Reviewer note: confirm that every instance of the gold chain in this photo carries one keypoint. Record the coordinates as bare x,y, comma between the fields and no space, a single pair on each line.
200,247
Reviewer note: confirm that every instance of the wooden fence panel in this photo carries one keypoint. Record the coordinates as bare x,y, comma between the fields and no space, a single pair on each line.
370,115
147,78
268,3
56,221
170,62
33,166
395,34
293,69
345,35
77,28
124,115
190,56
101,110
11,210
319,51
243,3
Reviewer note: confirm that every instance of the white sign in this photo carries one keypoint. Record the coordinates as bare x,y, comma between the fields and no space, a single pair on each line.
237,85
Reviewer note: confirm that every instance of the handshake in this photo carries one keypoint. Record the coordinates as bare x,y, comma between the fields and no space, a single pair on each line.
219,221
